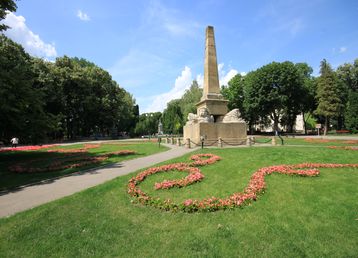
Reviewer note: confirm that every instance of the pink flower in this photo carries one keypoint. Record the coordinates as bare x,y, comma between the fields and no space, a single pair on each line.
188,202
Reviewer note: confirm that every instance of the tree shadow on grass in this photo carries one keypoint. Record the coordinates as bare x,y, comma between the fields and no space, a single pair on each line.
13,182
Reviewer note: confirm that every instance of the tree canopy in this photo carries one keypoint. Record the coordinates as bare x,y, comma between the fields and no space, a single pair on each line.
71,97
6,6
273,91
329,94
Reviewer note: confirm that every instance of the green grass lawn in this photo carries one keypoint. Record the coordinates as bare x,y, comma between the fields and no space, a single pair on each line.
296,217
10,180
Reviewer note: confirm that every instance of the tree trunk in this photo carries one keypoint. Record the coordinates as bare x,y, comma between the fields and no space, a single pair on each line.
275,123
326,125
304,123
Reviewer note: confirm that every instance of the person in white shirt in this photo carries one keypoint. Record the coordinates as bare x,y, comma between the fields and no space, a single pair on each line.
14,142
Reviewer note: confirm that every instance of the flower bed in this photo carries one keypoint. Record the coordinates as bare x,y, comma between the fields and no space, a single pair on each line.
314,140
194,176
27,148
351,142
65,163
343,147
85,148
199,161
76,162
255,187
120,153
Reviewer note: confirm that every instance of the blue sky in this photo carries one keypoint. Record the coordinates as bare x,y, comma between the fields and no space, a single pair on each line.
154,49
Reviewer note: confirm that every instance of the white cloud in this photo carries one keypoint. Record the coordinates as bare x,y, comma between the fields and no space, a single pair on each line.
342,49
200,79
83,16
225,77
182,83
339,50
225,80
32,42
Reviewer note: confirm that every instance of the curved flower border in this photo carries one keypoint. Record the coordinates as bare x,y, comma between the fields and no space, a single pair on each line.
194,176
255,187
199,161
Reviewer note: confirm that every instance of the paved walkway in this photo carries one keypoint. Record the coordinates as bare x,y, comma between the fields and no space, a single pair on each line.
35,195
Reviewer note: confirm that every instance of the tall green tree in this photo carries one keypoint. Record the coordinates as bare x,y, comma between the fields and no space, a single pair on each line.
234,92
275,90
72,97
176,113
173,118
328,94
148,123
51,95
190,98
351,117
6,6
93,102
238,93
308,103
21,103
348,75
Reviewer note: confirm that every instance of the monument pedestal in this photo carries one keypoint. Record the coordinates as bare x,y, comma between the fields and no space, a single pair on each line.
216,107
233,133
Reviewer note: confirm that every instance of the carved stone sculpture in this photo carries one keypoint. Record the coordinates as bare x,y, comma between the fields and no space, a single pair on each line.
192,119
202,117
233,116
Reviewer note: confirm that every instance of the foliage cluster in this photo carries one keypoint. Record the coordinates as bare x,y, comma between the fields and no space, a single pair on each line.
70,98
278,92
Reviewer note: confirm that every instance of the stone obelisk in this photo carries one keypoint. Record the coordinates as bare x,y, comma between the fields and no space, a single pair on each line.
212,99
213,123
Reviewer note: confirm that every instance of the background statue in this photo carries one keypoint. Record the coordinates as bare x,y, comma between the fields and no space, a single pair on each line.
160,127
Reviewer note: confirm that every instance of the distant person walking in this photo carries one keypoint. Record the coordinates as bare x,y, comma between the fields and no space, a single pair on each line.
14,142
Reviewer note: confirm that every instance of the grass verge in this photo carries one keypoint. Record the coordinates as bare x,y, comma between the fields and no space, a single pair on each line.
297,216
